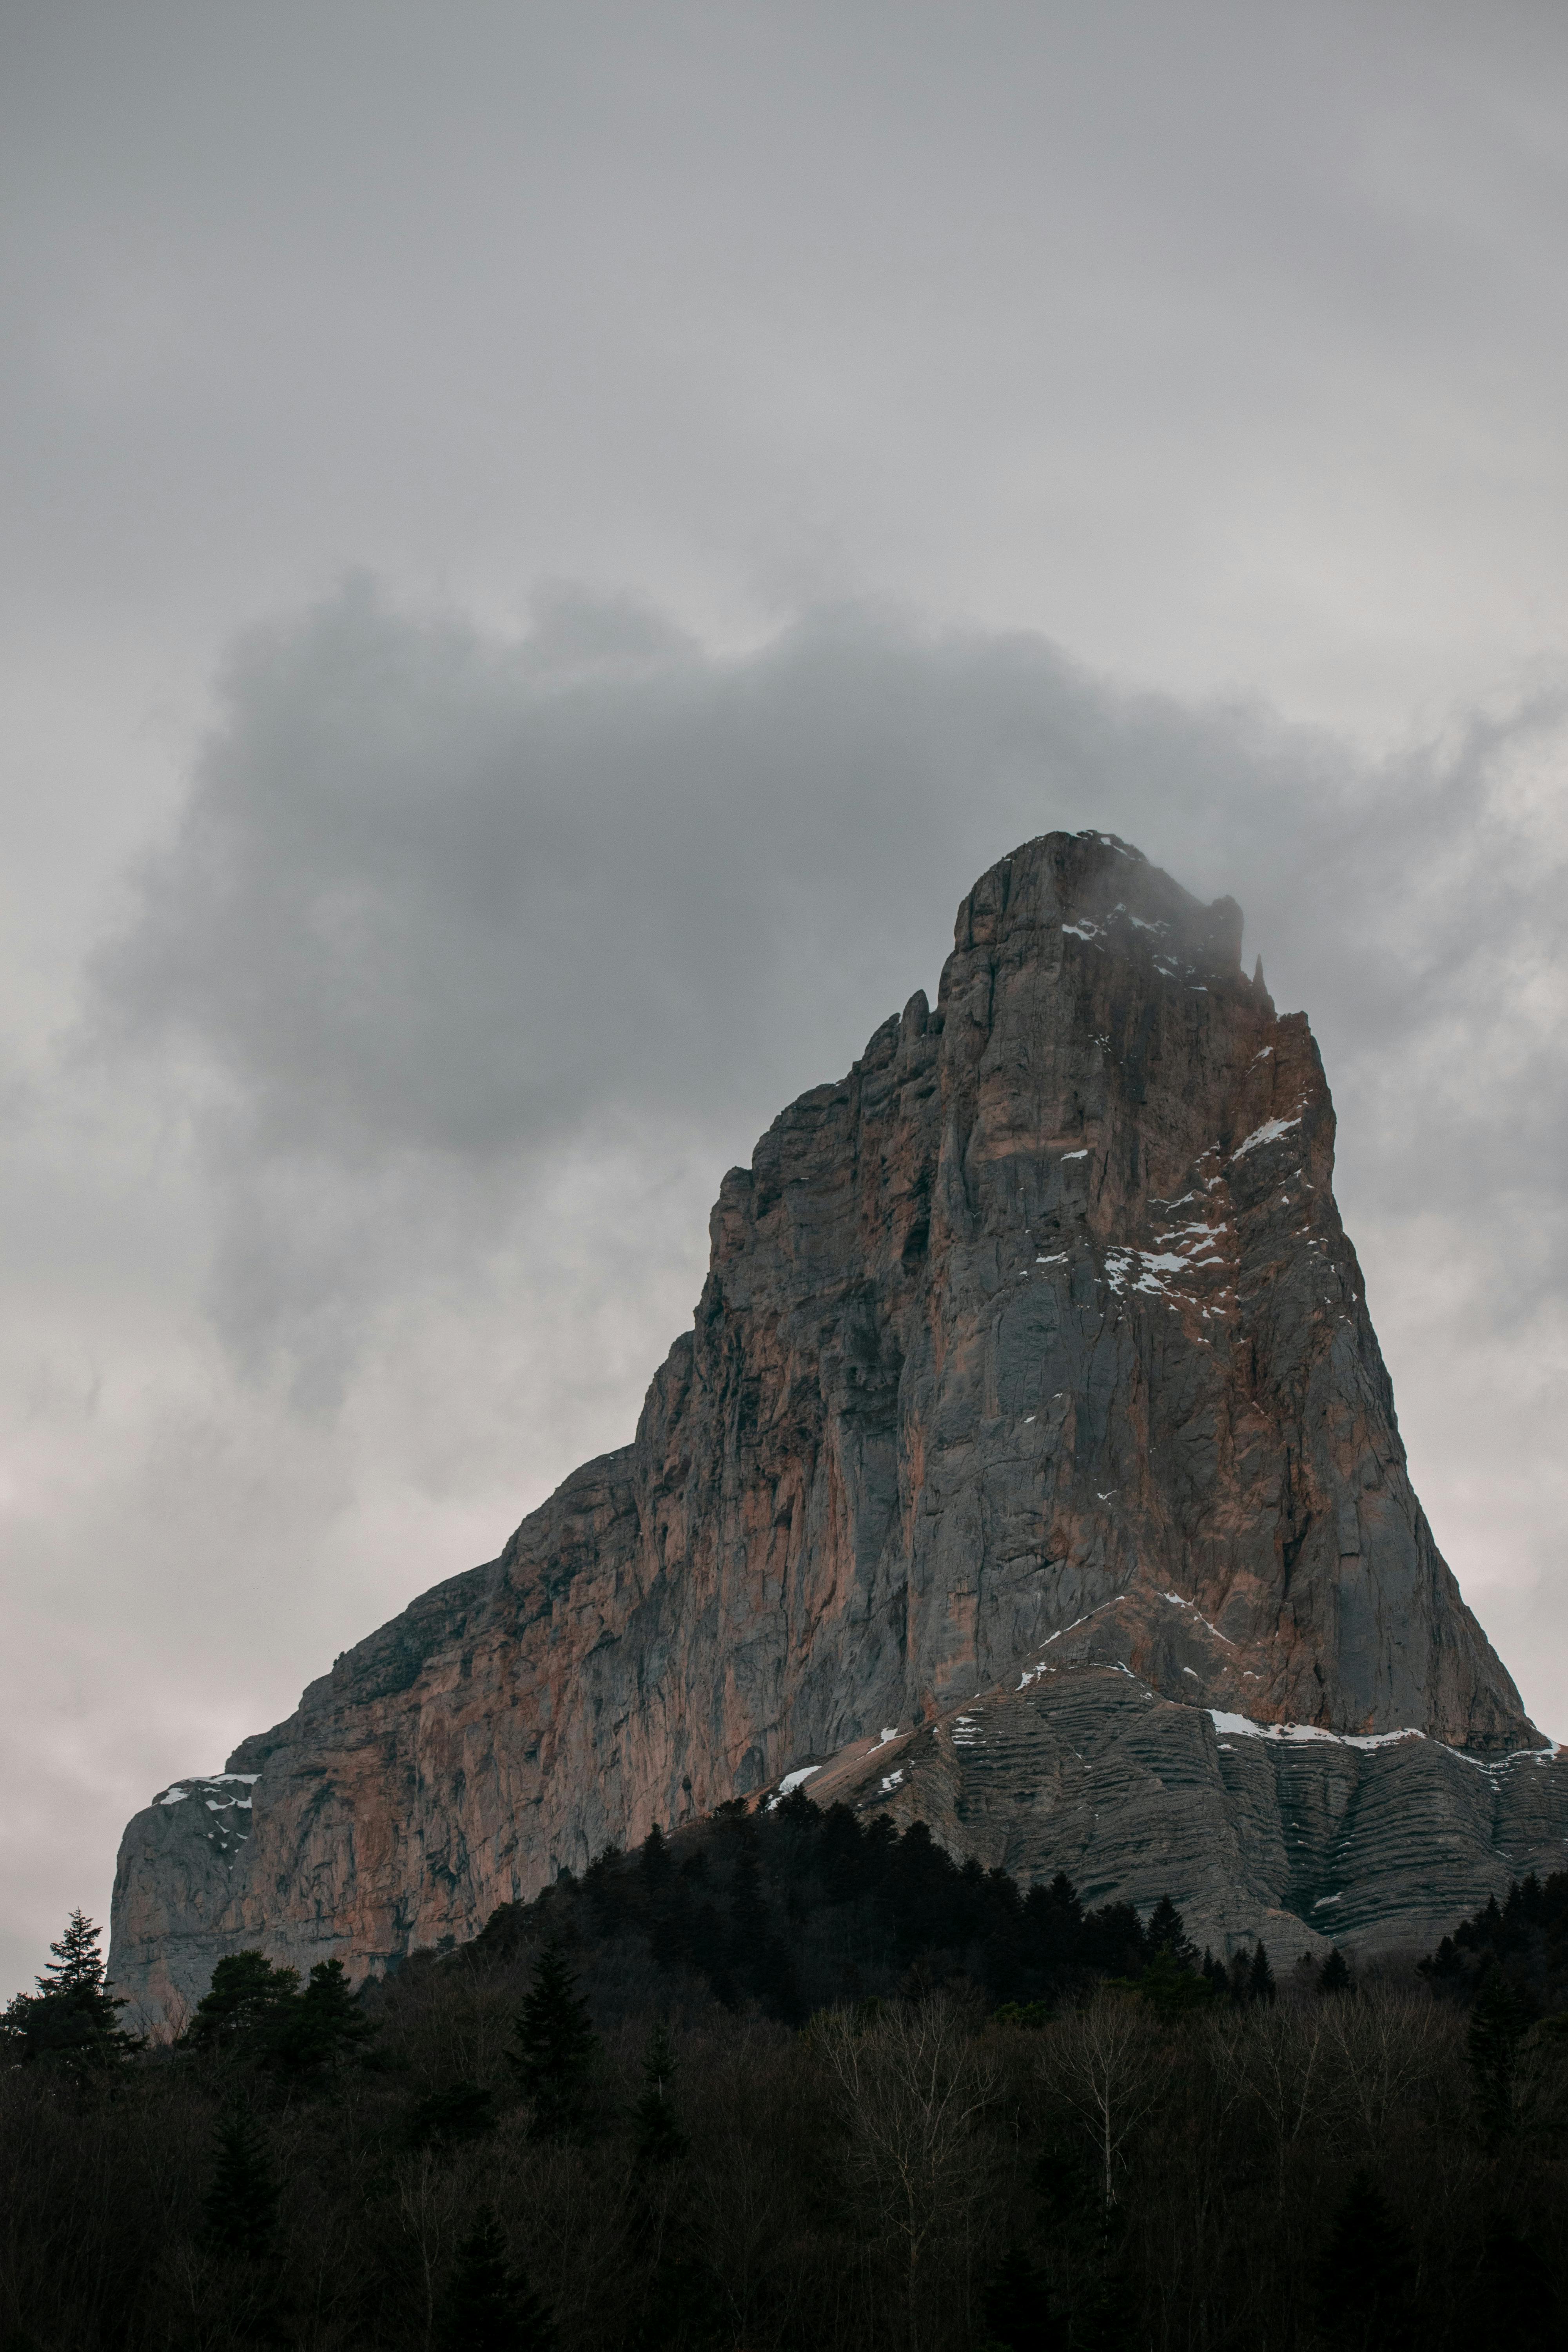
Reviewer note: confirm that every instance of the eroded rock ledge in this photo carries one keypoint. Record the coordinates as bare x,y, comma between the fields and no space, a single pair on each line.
1033,1369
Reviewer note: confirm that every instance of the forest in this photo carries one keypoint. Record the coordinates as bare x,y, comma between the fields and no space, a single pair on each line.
790,2082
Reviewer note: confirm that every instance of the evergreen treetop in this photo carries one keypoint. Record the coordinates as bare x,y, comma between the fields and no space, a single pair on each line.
72,2018
488,2307
241,2207
657,2135
1334,1976
246,2003
1367,2276
556,2048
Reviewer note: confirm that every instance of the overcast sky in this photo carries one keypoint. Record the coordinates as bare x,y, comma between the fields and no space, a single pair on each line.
542,549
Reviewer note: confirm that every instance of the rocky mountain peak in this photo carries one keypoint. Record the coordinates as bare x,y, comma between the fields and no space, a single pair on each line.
1031,1413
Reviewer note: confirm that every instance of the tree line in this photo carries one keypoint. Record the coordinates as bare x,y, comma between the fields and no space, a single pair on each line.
791,2080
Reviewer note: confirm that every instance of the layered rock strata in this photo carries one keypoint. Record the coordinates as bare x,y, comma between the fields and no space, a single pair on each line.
1036,1341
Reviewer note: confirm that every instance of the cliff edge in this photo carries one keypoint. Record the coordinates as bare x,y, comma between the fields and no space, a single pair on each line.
1032,1374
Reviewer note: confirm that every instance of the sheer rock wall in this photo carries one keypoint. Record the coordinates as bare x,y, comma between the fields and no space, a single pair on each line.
1042,1319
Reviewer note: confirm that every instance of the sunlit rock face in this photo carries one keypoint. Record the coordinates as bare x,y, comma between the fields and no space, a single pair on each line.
1032,1357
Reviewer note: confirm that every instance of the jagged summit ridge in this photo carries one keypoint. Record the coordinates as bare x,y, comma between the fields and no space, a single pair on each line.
1035,1339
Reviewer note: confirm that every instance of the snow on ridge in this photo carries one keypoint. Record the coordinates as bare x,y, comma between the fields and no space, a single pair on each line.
1241,1727
1301,1735
195,1782
791,1782
1270,1132
1180,1602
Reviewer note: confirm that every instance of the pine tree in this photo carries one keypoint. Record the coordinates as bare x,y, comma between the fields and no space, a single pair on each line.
488,2307
1260,1985
324,2026
748,1912
657,2136
72,2018
1516,2308
241,2207
1498,2025
1167,1933
655,1861
246,2004
1334,1976
1105,2310
1018,2316
1368,2274
556,2049
445,2118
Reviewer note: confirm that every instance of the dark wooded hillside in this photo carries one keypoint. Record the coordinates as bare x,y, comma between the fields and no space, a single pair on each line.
785,2082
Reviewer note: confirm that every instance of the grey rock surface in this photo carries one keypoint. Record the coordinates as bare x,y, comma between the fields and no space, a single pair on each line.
1036,1338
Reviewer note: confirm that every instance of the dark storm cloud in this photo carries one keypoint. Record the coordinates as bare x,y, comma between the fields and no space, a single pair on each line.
441,905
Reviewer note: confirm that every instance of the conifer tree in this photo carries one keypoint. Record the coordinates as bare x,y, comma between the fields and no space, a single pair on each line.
72,2017
1167,1933
1367,2276
324,2026
241,2207
655,1861
1334,1976
556,2047
1516,2308
1498,2025
490,2307
457,2112
1104,2312
246,2004
1018,2316
1260,1985
657,2135
748,1912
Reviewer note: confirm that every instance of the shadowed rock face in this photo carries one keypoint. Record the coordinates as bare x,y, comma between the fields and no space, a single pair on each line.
1032,1347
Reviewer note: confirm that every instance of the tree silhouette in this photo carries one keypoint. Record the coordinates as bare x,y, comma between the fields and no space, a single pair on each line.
1167,1932
324,2026
1516,2308
241,2204
1498,2023
458,2113
1334,1976
490,2307
1018,2316
246,2005
72,2018
657,2136
1368,2274
556,2047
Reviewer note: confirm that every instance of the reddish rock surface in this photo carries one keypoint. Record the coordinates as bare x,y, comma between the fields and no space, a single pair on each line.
1035,1348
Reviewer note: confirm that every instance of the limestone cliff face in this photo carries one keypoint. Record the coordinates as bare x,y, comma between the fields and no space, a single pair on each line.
1036,1340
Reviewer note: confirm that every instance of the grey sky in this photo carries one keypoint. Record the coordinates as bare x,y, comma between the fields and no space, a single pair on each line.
542,550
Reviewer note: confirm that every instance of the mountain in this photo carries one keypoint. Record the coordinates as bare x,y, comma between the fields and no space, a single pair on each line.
1031,1465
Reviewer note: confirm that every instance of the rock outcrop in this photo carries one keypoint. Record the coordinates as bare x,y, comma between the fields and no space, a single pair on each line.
1032,1368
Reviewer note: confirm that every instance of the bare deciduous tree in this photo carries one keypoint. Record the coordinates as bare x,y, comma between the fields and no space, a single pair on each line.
1272,2054
912,2087
1106,2061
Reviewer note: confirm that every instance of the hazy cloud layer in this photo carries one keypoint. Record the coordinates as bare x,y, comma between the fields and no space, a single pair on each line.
442,906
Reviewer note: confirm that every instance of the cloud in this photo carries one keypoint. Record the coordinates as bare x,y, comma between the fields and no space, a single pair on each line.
441,906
